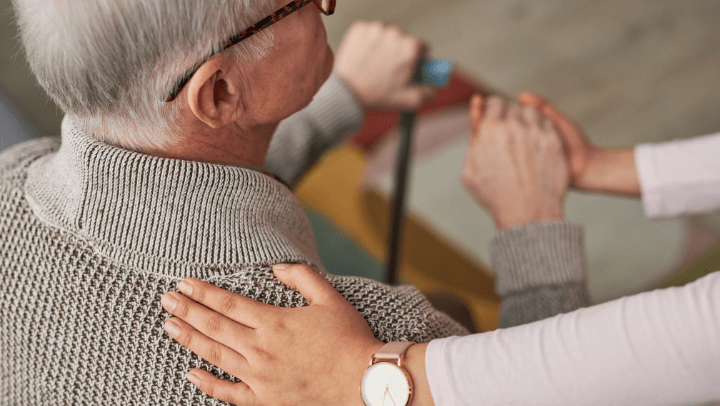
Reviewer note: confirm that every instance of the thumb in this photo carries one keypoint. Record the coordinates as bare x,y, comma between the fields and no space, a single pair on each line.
562,122
308,282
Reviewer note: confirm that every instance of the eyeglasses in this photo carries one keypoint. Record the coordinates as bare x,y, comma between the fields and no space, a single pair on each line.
326,6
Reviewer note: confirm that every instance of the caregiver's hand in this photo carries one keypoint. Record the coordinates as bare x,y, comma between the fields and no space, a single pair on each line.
592,169
313,355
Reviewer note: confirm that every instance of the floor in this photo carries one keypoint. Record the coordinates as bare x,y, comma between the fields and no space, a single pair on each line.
628,71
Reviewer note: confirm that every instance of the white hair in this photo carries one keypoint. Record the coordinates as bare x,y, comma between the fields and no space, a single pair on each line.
110,64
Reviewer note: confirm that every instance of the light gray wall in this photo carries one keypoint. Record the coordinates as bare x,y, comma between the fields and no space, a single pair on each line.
14,128
18,84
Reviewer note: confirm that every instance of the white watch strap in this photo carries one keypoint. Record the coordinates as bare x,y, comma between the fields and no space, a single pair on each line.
393,350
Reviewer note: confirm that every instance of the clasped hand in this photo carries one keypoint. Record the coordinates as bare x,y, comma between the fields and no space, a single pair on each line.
515,166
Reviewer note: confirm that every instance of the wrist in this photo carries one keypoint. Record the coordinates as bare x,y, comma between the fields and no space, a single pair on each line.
610,171
553,213
414,363
347,80
586,178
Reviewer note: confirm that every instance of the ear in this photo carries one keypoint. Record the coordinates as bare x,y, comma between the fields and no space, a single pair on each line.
213,96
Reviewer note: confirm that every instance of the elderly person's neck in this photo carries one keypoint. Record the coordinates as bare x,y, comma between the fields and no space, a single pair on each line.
238,143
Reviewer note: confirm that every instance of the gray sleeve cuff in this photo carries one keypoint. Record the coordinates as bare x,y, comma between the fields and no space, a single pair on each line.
335,110
538,254
539,303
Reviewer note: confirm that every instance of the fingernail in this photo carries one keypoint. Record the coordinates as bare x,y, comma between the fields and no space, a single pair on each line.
185,288
172,328
280,266
194,379
168,302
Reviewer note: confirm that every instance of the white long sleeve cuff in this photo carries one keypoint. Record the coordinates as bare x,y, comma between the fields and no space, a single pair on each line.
680,177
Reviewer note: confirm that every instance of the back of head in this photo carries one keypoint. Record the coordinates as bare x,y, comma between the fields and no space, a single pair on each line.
111,63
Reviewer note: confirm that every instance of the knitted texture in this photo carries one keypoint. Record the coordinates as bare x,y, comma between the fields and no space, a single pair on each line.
542,302
540,271
92,236
538,254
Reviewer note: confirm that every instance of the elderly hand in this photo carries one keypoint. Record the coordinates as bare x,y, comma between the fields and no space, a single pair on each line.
313,355
378,63
515,166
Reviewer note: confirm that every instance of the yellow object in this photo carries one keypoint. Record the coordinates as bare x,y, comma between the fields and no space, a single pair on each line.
333,189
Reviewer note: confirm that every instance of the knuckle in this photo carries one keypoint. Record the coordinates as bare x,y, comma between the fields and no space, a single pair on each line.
266,356
416,44
199,292
209,387
183,308
229,304
495,101
360,26
394,29
278,324
236,398
186,339
303,268
214,326
214,354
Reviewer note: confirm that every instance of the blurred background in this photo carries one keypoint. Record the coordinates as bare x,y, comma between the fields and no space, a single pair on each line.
629,71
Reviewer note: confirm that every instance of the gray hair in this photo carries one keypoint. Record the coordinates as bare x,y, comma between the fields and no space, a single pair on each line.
110,64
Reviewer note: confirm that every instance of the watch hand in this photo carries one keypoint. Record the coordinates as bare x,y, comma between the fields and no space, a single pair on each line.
386,395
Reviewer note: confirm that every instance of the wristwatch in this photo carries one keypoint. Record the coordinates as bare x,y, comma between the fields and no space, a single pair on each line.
386,382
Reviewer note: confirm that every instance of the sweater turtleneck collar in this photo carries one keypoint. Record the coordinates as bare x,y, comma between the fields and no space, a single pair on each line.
168,216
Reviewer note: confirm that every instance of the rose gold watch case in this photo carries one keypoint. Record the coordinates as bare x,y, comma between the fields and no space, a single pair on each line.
396,365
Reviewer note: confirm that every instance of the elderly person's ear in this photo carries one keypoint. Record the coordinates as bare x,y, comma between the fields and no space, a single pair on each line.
213,96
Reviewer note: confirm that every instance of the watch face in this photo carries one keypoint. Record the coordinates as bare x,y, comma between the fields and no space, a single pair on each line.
385,384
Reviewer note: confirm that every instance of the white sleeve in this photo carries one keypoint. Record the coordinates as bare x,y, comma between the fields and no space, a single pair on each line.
655,348
680,177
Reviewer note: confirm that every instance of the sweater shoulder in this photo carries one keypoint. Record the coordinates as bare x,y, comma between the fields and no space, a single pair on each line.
20,156
393,313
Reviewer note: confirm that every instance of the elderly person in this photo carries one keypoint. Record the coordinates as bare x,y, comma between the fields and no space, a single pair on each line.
158,176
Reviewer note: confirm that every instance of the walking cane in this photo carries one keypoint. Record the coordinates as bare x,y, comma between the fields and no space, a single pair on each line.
435,73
